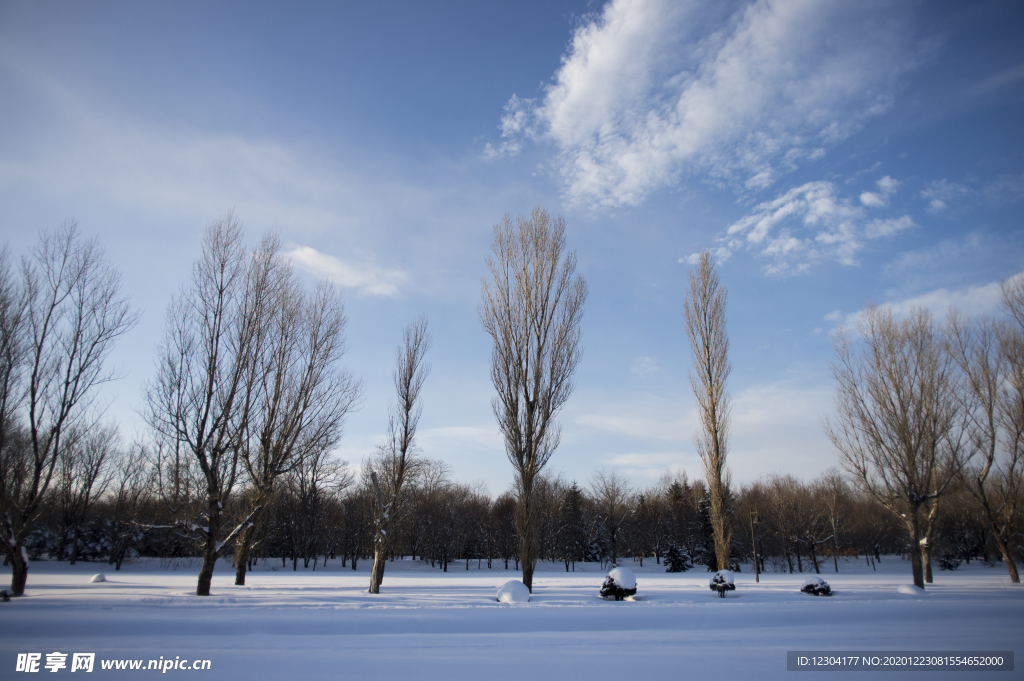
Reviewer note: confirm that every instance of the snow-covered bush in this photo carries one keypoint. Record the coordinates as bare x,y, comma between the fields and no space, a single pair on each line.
722,581
98,578
677,560
816,586
513,591
619,583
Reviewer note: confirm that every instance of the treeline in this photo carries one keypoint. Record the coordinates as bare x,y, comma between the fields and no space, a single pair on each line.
250,397
106,507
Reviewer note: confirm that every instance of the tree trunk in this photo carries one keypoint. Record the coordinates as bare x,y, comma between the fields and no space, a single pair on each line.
1011,566
19,571
209,551
527,536
915,555
206,571
377,572
926,543
74,545
243,548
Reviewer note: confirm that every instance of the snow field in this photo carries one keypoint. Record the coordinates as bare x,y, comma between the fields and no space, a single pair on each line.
428,624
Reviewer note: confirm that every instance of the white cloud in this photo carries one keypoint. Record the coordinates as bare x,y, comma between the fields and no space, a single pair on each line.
651,89
886,188
514,125
808,224
360,276
978,299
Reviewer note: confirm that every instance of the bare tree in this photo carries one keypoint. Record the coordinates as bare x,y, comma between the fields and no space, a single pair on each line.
301,394
312,486
58,323
991,359
611,496
833,494
395,462
532,310
207,374
897,423
709,344
128,488
81,478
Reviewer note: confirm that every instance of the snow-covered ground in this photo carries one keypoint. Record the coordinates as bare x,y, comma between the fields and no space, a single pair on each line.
426,624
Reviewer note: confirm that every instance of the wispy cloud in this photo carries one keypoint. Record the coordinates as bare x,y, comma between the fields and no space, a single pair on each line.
1006,78
653,89
363,277
648,427
809,224
943,195
644,367
937,257
644,467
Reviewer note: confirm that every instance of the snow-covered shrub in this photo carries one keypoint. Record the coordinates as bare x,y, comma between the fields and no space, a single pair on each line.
677,560
722,581
98,578
816,586
513,591
619,583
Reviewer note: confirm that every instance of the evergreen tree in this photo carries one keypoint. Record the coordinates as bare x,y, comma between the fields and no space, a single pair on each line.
677,560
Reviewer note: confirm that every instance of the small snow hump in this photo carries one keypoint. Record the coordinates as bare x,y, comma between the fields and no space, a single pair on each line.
911,590
620,583
513,591
98,578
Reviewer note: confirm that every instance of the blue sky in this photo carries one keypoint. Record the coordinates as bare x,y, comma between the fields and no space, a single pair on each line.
829,154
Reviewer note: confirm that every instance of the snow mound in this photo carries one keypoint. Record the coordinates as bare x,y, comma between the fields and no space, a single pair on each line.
513,591
623,578
910,590
98,578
